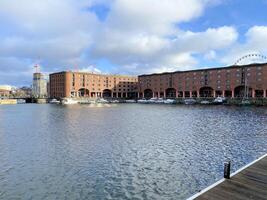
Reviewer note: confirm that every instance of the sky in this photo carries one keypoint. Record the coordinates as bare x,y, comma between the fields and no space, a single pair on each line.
126,36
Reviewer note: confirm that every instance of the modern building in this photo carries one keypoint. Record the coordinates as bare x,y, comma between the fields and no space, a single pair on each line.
234,81
39,85
82,84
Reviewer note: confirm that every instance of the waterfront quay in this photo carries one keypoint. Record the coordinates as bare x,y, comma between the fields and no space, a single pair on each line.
248,183
175,101
233,82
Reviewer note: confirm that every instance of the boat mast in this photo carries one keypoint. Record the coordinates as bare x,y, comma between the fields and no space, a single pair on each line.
246,86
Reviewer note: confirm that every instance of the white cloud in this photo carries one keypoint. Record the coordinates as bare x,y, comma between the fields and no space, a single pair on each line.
255,42
153,52
56,31
138,36
144,36
211,39
153,16
91,69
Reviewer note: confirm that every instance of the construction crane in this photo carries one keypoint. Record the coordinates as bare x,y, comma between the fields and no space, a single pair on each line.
37,68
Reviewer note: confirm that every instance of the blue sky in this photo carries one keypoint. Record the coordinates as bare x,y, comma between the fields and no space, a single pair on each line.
126,36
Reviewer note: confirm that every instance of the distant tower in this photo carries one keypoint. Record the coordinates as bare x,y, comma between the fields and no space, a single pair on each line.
39,84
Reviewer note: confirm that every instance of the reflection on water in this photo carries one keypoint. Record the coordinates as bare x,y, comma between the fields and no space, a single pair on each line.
123,151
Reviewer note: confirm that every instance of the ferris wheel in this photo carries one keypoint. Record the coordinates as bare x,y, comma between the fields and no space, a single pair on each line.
251,58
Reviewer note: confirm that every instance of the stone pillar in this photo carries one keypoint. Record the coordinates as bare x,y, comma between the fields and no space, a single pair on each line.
233,94
111,94
223,93
164,94
253,93
264,93
177,94
138,95
214,93
198,95
183,94
190,94
126,94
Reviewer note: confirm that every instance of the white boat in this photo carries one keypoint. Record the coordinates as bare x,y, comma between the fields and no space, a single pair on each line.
152,100
21,101
159,100
85,101
54,101
102,101
245,102
142,101
69,101
205,102
218,100
169,101
115,101
130,101
190,101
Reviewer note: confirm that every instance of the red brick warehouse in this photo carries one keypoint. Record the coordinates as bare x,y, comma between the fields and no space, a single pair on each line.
225,81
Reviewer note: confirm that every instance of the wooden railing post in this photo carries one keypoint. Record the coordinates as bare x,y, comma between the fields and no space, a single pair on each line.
227,169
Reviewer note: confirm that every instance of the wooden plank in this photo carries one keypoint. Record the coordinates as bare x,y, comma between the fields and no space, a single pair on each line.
248,184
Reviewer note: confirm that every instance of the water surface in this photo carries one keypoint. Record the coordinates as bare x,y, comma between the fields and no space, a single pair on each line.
126,151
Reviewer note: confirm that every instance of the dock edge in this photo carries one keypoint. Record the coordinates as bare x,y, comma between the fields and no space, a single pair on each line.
223,179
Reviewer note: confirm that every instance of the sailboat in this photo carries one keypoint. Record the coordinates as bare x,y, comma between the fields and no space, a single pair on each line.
245,100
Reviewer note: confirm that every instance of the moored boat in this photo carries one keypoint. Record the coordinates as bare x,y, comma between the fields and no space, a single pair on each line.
205,102
54,101
218,100
245,102
115,101
160,100
102,101
130,101
21,101
190,101
152,100
169,101
69,101
142,101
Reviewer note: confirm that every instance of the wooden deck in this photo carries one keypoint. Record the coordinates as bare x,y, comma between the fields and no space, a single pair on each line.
249,183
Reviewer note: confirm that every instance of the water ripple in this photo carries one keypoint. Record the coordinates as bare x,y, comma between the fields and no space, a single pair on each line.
123,151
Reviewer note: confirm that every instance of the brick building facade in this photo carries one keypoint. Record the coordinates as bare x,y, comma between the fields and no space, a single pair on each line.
233,81
80,84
